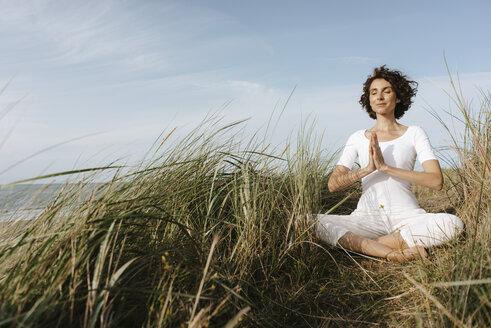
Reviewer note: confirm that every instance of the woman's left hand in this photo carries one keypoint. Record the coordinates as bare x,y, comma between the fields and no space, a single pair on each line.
431,177
378,157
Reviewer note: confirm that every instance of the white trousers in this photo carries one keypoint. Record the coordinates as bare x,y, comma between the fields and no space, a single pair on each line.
415,226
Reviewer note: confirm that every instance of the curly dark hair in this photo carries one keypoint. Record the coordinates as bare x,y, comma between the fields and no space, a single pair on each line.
404,88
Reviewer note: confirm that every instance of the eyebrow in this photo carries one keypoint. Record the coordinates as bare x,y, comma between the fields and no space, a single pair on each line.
387,87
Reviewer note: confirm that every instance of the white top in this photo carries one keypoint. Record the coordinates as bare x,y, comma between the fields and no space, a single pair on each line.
381,191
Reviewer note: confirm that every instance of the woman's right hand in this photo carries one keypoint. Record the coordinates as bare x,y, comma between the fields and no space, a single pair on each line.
342,178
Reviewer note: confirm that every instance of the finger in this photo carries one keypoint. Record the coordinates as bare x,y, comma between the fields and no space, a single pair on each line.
379,155
375,139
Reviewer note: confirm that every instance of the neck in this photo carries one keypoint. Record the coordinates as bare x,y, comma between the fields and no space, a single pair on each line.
386,123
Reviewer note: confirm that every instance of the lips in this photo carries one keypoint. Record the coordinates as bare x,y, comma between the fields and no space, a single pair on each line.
382,104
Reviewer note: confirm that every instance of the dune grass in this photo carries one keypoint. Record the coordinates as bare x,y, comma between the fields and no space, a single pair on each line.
212,231
455,289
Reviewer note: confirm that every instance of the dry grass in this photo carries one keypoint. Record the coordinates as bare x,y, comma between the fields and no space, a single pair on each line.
212,231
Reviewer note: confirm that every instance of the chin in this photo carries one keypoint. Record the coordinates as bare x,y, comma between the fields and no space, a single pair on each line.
386,114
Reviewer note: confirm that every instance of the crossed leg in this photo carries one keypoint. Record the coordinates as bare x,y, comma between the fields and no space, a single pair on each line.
392,247
367,233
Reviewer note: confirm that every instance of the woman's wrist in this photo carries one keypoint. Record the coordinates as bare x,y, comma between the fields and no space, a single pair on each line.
384,168
365,171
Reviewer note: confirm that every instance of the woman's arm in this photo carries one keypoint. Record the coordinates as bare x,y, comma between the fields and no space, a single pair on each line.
342,178
431,177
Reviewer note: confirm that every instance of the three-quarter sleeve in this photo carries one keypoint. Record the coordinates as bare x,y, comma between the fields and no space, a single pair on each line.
350,153
422,145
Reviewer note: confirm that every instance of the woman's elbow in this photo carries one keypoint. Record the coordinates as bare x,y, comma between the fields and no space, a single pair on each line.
438,184
438,187
331,186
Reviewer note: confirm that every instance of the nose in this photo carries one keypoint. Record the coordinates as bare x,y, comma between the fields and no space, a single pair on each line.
380,95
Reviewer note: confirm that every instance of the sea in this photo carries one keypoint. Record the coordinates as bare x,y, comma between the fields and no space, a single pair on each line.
26,201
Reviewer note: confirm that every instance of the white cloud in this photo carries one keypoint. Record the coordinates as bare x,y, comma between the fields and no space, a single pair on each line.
131,35
335,109
131,68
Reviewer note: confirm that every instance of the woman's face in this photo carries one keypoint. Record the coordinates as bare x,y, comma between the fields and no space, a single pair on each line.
383,98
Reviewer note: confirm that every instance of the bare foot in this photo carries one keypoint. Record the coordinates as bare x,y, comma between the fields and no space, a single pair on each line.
408,254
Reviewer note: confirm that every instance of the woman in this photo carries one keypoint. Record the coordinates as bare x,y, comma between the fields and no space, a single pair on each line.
388,221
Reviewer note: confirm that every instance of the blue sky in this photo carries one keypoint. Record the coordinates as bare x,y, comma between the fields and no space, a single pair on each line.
127,70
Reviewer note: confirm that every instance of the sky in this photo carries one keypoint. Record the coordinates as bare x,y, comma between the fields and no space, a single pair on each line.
88,82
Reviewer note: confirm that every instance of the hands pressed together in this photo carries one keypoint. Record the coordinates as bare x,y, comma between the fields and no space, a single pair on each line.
431,177
376,158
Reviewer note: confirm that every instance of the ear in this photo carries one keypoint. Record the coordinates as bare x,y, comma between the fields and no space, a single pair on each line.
398,100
